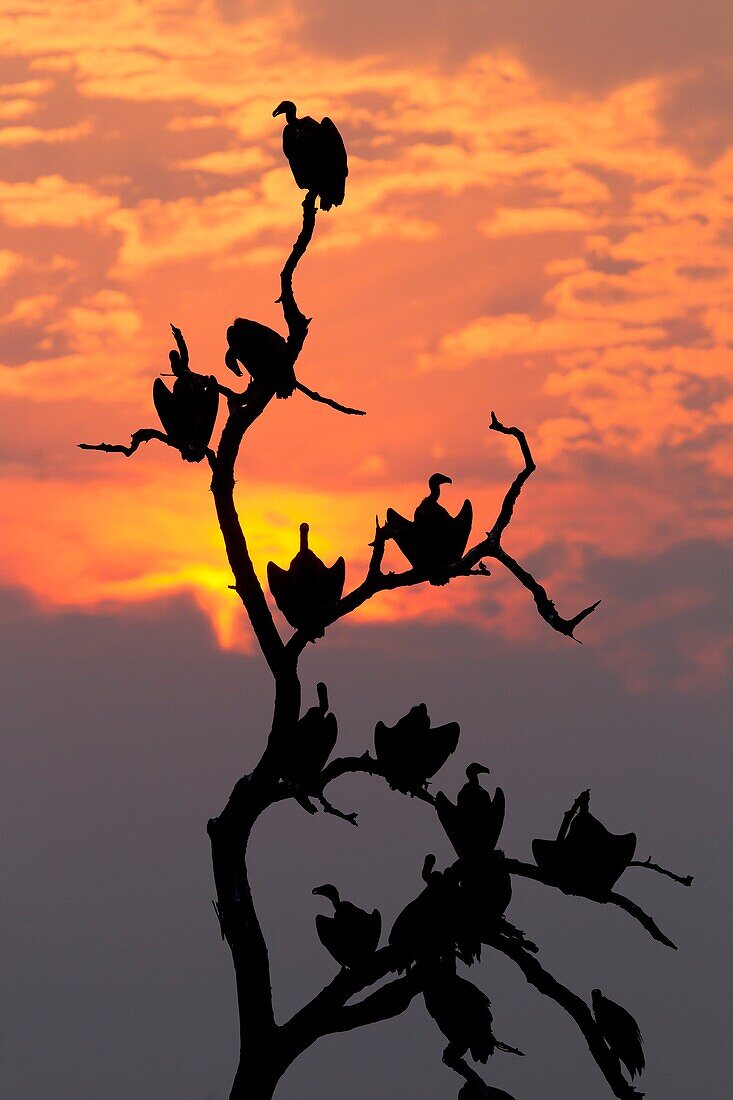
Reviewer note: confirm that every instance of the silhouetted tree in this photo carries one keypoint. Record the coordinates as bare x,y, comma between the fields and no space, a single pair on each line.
462,908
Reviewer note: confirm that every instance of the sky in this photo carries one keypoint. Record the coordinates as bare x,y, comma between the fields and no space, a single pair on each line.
538,221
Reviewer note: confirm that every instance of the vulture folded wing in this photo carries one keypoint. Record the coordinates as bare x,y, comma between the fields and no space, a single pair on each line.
333,166
298,150
622,1034
461,532
166,407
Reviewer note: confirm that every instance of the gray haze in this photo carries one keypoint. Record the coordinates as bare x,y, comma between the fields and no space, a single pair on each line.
124,734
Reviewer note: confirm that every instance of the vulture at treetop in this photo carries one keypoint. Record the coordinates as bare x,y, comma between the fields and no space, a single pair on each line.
188,412
307,591
316,153
411,749
433,540
305,753
463,1013
263,352
585,858
621,1032
474,823
351,933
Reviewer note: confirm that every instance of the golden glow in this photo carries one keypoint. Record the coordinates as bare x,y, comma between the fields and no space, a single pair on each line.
503,244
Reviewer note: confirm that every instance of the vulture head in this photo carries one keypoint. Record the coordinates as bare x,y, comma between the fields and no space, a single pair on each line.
287,108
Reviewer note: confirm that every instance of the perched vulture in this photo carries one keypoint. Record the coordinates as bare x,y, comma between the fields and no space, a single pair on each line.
585,858
351,934
425,930
305,753
433,540
621,1032
316,153
188,412
411,749
263,352
474,823
463,1013
307,591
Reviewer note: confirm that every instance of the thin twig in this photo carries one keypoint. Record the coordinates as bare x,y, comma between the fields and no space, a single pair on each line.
684,880
328,401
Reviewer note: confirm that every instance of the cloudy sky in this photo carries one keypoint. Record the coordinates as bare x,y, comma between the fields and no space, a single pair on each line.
539,220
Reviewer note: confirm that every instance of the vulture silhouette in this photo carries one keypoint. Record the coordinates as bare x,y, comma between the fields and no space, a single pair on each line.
621,1032
351,934
425,930
474,823
433,540
188,411
463,1013
305,753
412,750
263,353
307,591
585,858
472,1091
316,154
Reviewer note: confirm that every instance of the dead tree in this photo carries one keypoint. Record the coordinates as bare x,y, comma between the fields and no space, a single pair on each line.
462,908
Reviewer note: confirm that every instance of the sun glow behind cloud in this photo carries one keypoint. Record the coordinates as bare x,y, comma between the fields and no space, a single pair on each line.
554,254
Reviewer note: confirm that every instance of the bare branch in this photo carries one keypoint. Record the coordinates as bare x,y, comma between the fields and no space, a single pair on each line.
684,880
328,401
576,1007
470,565
528,870
512,494
329,809
142,435
296,321
367,765
390,1000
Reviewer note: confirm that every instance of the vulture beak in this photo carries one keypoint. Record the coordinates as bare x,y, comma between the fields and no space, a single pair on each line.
232,362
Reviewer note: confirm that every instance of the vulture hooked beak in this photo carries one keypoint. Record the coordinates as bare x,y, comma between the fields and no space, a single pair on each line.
233,363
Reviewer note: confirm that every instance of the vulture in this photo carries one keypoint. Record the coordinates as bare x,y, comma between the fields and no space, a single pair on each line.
472,1091
412,750
305,753
485,890
463,1013
621,1032
351,933
307,591
188,411
425,930
585,858
474,823
264,354
316,154
433,540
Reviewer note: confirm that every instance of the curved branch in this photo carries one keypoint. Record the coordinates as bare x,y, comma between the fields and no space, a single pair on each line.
684,880
388,1001
142,435
367,765
528,870
576,1007
329,401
